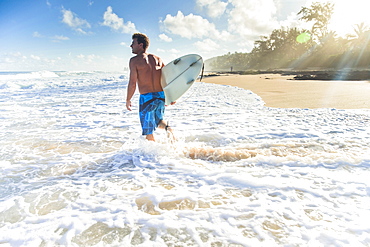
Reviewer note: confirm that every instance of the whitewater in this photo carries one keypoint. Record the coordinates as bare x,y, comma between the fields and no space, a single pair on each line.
75,170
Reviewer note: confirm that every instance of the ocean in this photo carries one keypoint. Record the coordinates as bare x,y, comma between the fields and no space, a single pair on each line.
75,170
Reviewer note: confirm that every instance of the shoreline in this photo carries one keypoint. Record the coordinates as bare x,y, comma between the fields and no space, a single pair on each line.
284,91
322,75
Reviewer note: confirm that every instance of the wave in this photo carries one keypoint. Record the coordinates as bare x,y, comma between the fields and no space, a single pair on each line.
81,73
58,79
27,75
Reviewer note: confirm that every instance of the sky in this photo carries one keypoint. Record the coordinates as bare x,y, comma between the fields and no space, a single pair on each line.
90,35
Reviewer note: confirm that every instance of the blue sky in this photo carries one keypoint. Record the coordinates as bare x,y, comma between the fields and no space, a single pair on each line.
86,35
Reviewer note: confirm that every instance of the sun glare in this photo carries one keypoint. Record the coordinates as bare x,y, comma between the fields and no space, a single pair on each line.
347,14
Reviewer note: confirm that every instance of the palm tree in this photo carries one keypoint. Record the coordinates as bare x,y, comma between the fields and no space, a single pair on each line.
361,37
360,45
320,14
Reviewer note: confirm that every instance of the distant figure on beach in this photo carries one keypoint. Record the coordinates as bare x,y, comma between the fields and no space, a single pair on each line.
145,72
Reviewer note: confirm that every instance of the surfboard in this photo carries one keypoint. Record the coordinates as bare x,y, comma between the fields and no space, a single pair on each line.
179,75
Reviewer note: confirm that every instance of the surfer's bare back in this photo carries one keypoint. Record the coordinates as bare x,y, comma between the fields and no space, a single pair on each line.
145,72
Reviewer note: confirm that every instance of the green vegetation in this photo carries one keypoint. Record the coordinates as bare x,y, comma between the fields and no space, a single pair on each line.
298,49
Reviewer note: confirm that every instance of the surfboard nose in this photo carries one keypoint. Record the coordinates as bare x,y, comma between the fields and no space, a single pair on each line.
179,75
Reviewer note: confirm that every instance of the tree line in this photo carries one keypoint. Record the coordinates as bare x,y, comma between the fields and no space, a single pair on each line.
295,48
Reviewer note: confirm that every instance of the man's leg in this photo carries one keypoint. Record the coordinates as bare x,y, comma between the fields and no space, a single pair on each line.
150,137
164,125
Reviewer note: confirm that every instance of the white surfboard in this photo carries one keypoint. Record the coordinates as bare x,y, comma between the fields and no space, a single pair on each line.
179,75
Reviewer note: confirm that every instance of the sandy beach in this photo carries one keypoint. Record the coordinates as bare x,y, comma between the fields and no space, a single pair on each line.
284,92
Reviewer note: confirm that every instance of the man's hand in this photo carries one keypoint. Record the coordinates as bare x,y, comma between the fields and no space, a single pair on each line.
172,103
128,105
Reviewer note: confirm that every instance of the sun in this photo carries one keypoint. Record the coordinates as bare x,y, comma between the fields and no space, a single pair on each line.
347,14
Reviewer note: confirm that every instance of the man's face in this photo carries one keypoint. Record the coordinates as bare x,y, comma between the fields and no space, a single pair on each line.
135,46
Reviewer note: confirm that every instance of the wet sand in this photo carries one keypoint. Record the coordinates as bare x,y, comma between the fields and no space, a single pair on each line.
284,92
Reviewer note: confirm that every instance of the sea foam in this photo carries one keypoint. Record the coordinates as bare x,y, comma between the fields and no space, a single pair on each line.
75,170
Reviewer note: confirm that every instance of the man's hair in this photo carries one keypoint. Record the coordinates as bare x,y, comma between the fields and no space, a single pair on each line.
141,39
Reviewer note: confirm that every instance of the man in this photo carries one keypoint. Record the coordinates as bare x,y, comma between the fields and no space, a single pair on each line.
145,72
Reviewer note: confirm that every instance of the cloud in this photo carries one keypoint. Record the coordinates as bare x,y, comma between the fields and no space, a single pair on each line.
88,58
214,8
74,22
174,51
116,23
190,26
58,38
207,45
12,58
169,54
292,20
165,38
55,38
242,22
251,18
37,58
36,35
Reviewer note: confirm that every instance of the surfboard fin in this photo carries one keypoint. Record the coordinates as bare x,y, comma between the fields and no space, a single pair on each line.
177,61
201,76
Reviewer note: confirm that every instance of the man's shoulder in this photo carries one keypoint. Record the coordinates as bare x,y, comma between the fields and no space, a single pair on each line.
155,56
134,58
157,59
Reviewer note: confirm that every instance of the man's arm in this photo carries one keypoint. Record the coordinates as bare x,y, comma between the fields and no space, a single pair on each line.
131,87
161,65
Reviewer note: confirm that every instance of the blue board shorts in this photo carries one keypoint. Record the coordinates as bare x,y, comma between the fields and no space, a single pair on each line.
151,111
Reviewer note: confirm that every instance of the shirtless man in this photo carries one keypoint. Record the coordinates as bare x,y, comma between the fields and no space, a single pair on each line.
145,72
